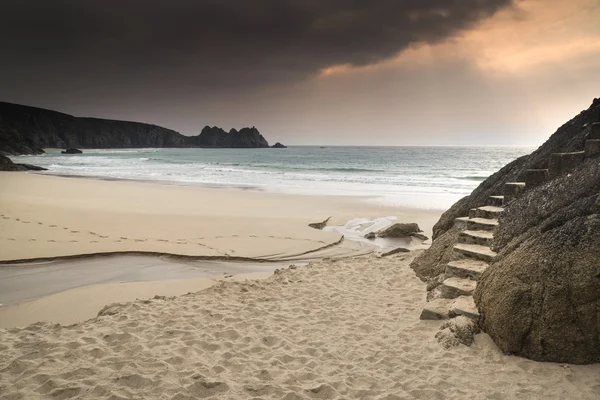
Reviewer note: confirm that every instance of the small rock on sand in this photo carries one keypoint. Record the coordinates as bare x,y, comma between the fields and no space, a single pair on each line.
399,230
395,251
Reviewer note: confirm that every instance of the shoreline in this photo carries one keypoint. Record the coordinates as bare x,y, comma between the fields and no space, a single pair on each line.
46,217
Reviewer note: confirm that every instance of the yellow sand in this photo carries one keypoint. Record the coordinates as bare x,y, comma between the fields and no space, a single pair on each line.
48,216
347,329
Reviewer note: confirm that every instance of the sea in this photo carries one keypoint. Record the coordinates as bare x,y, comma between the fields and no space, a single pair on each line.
421,177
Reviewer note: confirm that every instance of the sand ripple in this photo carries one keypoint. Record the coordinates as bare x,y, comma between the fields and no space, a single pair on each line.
346,329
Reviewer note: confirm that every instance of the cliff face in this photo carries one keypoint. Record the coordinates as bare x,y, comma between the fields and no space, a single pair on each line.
27,130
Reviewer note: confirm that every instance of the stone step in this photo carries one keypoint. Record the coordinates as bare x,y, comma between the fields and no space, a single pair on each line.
486,212
562,163
454,287
464,305
437,309
466,268
497,201
535,177
461,222
475,251
592,148
482,224
483,238
595,131
512,190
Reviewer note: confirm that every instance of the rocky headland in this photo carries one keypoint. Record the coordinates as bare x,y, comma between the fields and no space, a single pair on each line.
6,164
520,256
28,130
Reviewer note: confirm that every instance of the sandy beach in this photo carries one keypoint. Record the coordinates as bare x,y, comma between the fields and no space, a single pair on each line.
305,333
344,326
47,216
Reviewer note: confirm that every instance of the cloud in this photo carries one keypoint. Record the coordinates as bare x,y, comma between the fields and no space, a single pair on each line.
216,43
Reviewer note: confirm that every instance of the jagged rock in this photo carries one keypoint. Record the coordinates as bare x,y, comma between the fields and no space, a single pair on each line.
419,236
596,207
217,137
27,130
399,230
459,330
432,262
279,146
6,164
319,225
370,236
72,151
395,251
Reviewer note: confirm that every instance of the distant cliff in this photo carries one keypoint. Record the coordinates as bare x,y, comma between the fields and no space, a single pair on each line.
28,130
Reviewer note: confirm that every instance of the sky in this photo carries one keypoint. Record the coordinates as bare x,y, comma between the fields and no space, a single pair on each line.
322,72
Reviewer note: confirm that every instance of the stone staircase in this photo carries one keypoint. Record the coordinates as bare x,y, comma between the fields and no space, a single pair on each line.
472,253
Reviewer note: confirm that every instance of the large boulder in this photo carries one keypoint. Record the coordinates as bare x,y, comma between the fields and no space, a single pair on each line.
543,300
541,297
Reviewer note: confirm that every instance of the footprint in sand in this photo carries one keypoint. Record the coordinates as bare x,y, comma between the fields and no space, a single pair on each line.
253,236
66,229
93,241
5,218
234,235
25,222
11,239
103,237
123,238
39,223
140,240
51,241
17,219
92,233
32,240
52,226
218,237
73,241
74,231
117,241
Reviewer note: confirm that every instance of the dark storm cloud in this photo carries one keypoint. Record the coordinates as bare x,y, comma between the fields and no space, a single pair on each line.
208,42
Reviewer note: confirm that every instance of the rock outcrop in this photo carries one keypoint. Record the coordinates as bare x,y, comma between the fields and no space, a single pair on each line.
72,151
6,164
279,146
319,225
217,138
28,130
399,230
541,296
527,243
